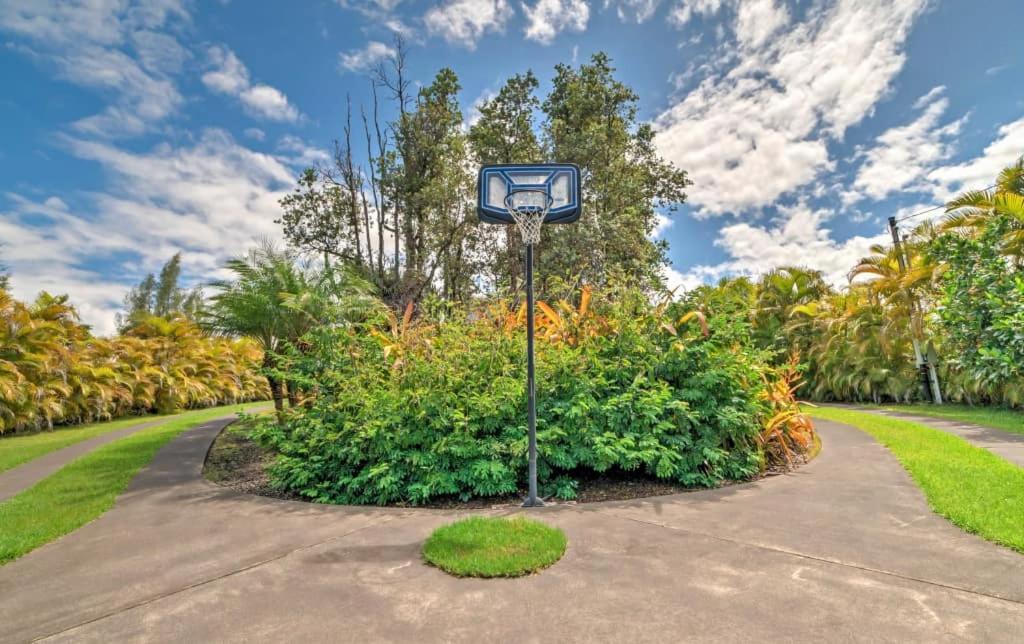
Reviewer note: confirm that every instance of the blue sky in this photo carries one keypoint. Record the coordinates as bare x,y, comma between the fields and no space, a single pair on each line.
133,130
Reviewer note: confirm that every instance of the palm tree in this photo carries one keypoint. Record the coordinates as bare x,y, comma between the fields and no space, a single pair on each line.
778,292
969,212
275,299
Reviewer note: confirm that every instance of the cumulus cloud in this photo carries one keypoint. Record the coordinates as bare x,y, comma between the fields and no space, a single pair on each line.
980,171
636,10
228,75
758,127
121,49
359,60
464,22
548,18
211,201
681,13
799,236
902,155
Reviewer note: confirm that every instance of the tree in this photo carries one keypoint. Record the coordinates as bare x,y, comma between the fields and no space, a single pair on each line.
779,292
504,133
275,299
591,120
161,296
972,211
982,307
433,187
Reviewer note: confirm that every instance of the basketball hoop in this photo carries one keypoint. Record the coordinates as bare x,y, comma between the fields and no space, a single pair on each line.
529,208
529,195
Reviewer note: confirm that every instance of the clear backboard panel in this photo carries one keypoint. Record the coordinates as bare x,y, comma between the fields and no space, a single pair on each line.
529,184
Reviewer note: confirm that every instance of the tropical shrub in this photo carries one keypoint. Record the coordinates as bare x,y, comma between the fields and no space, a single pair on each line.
53,370
981,310
418,409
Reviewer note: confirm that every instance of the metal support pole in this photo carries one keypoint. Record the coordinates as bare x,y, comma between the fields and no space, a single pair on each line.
925,369
531,391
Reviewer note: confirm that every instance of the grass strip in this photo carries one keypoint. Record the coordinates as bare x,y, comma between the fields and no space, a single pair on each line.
87,487
17,449
494,547
998,417
972,487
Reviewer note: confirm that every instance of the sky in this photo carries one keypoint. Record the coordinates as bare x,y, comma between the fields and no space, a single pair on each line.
135,130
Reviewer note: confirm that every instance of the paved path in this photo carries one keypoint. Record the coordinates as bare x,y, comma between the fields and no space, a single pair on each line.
26,475
845,549
1000,442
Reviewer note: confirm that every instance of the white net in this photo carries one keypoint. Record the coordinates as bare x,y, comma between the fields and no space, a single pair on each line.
529,224
528,208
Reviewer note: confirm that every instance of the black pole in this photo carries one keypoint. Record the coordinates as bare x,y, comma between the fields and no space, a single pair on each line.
531,391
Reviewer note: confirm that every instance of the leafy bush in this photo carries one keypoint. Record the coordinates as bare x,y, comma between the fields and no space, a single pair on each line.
981,311
416,410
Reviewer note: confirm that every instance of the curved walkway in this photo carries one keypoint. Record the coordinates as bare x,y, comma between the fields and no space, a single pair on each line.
24,476
1001,443
845,549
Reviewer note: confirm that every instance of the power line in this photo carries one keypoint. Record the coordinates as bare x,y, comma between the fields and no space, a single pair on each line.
934,208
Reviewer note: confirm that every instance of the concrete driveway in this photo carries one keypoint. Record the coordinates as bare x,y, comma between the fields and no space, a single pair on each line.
845,549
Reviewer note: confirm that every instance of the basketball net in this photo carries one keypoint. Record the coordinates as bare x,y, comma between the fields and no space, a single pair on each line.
528,208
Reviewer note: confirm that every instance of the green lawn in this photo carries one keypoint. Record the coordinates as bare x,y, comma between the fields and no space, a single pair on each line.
87,487
970,486
998,417
494,547
15,449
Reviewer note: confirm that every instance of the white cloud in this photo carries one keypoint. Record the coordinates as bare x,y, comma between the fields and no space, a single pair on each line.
301,153
799,237
662,223
117,48
159,52
981,171
255,133
358,60
211,201
464,22
758,20
684,10
902,155
547,18
759,128
638,10
264,101
229,76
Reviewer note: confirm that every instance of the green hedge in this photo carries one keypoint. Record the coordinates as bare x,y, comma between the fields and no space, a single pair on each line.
438,409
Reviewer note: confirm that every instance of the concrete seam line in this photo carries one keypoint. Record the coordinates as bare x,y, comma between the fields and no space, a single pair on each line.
833,562
204,582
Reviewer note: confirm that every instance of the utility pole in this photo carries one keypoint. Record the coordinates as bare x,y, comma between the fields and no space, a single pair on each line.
925,368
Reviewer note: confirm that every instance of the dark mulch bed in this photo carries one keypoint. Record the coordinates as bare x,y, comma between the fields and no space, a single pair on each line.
236,462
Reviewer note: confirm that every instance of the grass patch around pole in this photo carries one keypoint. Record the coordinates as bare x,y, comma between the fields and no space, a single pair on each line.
1008,420
972,487
87,487
494,547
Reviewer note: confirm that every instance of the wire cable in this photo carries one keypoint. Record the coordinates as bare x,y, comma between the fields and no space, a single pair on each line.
934,208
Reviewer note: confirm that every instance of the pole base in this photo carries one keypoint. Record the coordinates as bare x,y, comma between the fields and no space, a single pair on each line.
532,503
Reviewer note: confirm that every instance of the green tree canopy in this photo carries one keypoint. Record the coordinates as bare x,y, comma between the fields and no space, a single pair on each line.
160,296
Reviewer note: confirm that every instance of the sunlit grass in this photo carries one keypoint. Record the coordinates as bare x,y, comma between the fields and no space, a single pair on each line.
88,486
18,449
998,417
970,486
494,547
